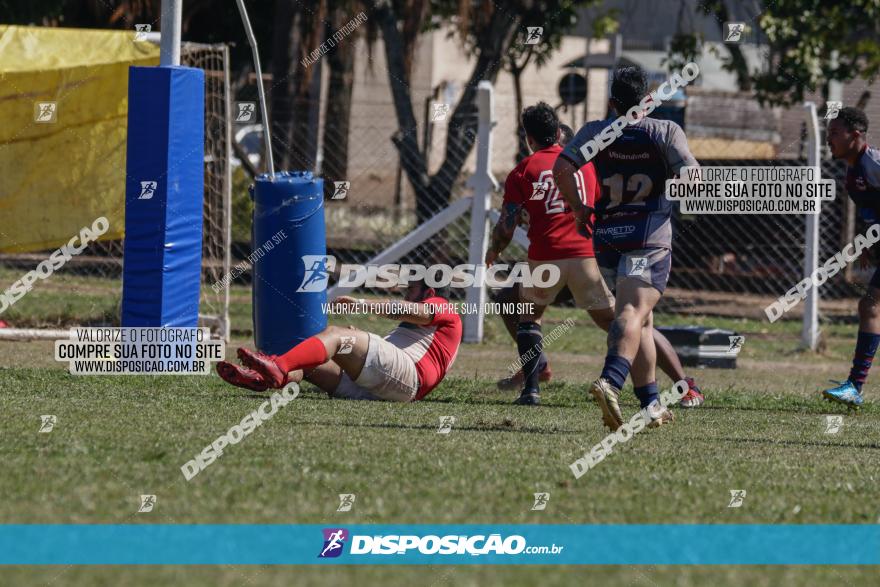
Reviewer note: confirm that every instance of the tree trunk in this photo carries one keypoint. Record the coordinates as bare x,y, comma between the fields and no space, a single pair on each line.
296,83
307,87
493,42
406,137
516,70
433,192
738,60
522,147
284,43
338,115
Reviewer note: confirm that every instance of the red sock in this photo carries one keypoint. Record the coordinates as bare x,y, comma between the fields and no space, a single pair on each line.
307,354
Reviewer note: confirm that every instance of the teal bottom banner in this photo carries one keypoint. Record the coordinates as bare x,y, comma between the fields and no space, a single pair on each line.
476,544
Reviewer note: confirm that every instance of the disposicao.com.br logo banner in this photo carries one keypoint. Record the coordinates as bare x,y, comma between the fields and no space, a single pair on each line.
439,544
429,544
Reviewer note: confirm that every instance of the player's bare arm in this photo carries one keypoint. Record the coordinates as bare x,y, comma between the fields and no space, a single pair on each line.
413,312
563,174
502,234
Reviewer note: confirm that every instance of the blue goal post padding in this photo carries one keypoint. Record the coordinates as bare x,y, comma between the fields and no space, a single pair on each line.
164,190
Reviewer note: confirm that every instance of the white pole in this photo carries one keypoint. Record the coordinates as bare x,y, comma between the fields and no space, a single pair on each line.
169,48
227,195
260,90
810,330
483,183
426,230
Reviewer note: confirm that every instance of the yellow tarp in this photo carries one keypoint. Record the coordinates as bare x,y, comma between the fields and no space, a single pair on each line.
57,177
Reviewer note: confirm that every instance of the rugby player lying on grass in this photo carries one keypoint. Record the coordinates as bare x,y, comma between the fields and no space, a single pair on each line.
354,364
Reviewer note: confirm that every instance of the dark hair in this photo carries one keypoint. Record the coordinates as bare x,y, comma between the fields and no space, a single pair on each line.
853,119
541,123
567,134
628,87
443,292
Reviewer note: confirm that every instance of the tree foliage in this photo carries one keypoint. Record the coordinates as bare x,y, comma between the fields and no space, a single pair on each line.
809,43
492,35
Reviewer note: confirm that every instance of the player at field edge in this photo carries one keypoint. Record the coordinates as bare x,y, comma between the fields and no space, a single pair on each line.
847,138
530,191
348,363
632,232
667,358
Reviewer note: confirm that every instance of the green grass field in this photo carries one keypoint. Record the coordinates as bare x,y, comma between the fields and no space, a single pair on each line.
763,430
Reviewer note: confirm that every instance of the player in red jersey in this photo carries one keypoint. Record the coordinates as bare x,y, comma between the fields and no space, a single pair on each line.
553,240
349,363
553,223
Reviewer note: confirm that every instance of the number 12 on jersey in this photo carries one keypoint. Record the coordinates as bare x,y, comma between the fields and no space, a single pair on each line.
637,189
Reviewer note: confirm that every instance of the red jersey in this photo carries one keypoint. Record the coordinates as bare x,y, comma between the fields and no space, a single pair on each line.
432,347
552,231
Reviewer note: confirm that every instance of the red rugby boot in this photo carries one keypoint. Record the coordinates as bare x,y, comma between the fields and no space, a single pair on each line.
241,376
693,398
264,365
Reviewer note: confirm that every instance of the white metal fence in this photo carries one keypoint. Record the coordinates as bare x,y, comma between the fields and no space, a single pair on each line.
738,263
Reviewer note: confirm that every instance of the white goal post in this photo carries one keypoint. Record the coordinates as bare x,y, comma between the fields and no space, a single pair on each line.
810,329
483,184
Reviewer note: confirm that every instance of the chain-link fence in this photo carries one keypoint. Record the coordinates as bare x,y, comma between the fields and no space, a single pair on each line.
726,257
381,205
760,254
720,261
217,219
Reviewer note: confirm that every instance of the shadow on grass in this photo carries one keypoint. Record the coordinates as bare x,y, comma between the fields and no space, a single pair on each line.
802,443
500,427
812,408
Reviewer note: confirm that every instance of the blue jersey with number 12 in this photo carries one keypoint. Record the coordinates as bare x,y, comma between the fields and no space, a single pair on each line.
632,211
